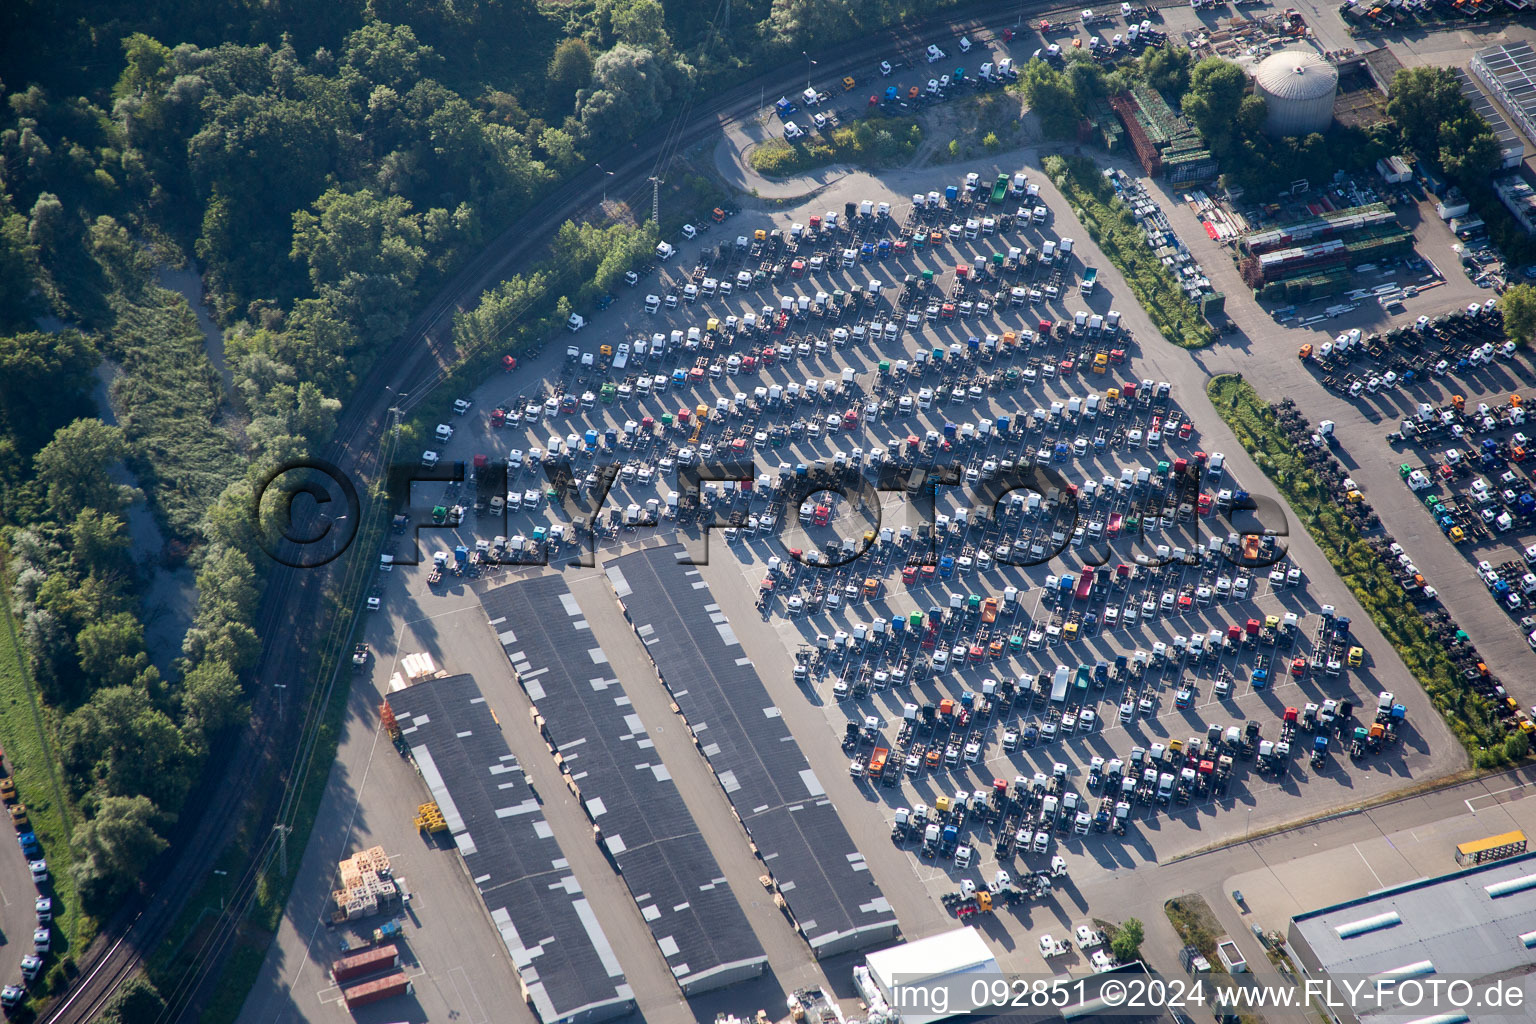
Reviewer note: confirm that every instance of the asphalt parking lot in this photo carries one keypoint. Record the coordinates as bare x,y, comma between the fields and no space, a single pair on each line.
1265,353
738,565
457,964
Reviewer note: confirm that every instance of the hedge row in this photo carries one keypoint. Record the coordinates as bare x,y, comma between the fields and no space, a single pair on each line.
1111,226
1362,570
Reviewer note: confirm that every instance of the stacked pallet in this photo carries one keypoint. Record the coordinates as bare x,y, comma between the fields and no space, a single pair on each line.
365,883
414,668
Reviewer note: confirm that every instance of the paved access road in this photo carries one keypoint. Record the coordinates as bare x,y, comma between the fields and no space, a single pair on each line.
1264,352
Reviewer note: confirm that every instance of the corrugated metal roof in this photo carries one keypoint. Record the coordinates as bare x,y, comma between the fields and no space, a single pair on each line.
1297,75
1450,921
628,791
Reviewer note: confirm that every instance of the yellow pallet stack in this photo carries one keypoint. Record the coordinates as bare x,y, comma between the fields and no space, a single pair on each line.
429,818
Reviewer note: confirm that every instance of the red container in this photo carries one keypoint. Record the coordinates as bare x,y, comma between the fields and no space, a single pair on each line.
369,961
390,985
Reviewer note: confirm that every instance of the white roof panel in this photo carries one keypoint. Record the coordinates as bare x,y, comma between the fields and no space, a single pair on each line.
962,949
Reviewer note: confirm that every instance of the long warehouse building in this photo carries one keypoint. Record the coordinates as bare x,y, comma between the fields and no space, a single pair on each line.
566,964
626,789
799,834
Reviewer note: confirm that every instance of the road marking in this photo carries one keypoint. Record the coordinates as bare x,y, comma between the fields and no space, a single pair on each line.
1495,794
1367,865
479,1016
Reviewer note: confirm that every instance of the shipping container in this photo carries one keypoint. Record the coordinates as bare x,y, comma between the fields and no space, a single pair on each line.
369,961
390,985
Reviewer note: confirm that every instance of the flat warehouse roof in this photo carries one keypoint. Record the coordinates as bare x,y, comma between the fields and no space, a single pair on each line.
626,788
554,938
961,949
798,832
1472,923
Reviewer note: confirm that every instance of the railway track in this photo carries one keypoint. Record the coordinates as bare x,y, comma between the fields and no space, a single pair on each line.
292,599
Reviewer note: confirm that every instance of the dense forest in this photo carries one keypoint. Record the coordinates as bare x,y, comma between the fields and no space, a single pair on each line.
324,167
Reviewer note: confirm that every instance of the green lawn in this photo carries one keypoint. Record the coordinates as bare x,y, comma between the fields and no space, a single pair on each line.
29,755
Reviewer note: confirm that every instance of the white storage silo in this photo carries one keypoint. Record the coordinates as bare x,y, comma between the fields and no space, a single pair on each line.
1299,87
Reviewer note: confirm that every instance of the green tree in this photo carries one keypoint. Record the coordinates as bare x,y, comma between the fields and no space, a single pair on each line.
226,587
1517,745
1166,69
643,24
114,848
1518,304
119,745
137,1001
391,55
99,543
1215,95
1086,80
354,235
73,468
1467,147
570,69
1126,945
1422,99
561,148
630,88
111,650
210,698
45,382
17,264
1050,98
1251,114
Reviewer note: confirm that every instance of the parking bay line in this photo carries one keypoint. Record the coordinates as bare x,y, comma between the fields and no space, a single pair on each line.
1494,796
474,997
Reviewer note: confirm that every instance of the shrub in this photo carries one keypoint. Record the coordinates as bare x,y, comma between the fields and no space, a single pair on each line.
868,142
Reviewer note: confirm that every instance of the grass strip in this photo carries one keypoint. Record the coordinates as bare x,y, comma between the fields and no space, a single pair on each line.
1361,569
33,764
1197,926
1115,231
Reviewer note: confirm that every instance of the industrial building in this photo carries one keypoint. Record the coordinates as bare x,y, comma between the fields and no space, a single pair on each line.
1312,257
567,967
1518,197
1511,145
813,865
1509,72
951,960
627,791
1479,923
1166,144
1298,87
